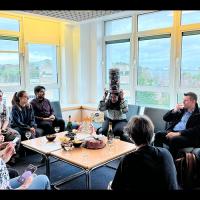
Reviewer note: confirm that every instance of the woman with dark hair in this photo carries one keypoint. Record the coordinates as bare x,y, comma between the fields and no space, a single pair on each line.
22,116
147,168
114,108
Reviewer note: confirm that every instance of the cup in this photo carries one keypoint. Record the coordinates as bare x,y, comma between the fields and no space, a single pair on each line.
117,139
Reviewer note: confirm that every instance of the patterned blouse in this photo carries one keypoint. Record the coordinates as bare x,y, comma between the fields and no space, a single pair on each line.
114,114
3,113
4,176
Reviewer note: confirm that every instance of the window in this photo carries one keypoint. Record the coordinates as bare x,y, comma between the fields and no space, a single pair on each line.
119,26
9,24
43,69
190,63
118,56
152,99
9,61
42,64
190,17
154,61
155,20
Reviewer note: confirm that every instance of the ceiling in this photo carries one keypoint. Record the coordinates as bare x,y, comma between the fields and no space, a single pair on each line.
73,15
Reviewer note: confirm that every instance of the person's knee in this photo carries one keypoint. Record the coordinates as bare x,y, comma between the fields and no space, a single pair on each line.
44,180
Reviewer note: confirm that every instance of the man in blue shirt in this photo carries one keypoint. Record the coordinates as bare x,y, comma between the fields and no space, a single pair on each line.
184,128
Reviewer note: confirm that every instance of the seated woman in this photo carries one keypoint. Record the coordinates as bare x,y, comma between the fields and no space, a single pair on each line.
115,107
7,133
38,182
147,168
22,117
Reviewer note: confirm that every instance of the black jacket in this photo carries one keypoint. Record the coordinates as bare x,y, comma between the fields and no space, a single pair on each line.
192,126
22,118
147,169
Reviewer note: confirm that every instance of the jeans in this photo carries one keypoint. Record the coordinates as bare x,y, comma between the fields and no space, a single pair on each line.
40,182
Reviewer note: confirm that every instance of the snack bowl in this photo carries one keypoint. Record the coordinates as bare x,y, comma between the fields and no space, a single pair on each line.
67,145
51,137
77,143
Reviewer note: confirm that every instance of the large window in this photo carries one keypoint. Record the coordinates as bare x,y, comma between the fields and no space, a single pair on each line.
155,20
9,24
118,56
9,61
190,63
119,26
190,17
43,70
42,64
154,61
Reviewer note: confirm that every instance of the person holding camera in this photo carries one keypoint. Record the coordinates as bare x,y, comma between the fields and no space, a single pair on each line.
115,107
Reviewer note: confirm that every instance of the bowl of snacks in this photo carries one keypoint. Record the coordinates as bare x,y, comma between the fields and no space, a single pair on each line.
51,137
77,143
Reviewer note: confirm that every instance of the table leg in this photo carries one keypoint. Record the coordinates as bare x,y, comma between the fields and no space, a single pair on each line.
47,166
88,180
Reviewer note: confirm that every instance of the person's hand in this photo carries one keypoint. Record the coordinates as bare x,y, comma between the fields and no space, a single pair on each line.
3,145
52,117
32,130
8,152
178,107
26,183
105,93
172,134
1,138
121,94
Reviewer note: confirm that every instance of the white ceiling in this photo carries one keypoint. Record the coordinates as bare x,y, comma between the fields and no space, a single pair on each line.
74,15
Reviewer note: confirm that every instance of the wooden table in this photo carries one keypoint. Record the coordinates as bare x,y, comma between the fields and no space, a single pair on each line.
89,159
85,159
42,146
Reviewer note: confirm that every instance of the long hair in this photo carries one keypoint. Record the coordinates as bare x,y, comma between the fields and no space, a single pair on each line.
16,96
113,106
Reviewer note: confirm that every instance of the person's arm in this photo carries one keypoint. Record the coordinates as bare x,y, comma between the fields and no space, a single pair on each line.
124,106
118,181
103,103
51,108
171,115
169,171
32,118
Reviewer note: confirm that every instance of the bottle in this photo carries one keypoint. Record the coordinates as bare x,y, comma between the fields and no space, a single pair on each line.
110,134
69,124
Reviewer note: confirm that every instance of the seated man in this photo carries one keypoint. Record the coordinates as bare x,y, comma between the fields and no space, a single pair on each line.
184,129
44,113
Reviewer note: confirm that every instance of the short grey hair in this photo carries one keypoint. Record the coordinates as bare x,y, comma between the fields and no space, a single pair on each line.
141,129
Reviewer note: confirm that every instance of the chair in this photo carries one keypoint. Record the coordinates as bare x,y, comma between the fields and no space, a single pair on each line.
58,113
156,115
132,111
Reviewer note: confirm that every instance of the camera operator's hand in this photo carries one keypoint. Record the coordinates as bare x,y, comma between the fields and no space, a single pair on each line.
121,94
105,94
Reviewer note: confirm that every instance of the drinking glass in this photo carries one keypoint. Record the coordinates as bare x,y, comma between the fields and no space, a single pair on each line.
117,139
57,129
28,135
